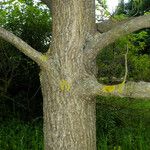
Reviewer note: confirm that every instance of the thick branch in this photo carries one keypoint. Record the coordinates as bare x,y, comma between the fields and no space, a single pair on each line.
129,89
22,46
107,25
99,41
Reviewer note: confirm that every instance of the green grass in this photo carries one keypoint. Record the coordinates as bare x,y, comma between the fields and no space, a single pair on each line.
16,135
125,139
122,124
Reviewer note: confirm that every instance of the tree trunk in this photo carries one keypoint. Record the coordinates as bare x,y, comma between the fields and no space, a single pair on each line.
69,120
69,116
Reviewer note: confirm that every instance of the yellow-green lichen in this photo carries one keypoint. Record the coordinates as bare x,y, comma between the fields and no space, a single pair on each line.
114,88
64,85
44,58
108,88
119,87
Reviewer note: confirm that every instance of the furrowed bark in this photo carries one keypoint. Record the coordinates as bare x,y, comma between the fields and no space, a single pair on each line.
99,41
69,117
36,56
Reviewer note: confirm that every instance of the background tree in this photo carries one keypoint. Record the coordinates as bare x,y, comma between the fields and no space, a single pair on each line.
67,72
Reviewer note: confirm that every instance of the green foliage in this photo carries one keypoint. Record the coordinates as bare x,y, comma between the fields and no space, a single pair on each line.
111,60
122,123
134,7
141,69
30,22
120,17
20,93
15,135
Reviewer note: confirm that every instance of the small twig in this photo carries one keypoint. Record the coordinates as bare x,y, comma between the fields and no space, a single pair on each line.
126,65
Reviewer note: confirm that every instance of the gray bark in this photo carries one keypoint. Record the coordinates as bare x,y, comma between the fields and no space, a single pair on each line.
129,89
69,118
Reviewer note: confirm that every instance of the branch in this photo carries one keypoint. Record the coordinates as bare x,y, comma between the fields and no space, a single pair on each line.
22,46
129,89
107,25
99,41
